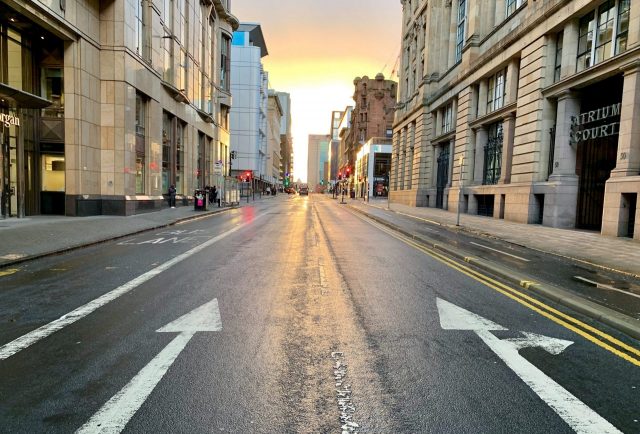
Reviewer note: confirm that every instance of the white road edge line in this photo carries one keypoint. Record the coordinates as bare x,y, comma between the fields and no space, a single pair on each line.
604,286
77,314
500,251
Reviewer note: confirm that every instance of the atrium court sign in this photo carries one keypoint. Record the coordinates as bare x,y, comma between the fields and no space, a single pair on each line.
8,120
582,126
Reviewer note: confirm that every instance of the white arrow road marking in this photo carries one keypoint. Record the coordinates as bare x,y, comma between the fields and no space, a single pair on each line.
118,411
46,330
574,412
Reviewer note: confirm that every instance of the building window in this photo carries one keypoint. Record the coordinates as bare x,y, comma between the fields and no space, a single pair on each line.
513,5
447,118
462,14
602,33
167,41
622,28
497,90
225,62
52,88
493,155
167,139
141,26
558,60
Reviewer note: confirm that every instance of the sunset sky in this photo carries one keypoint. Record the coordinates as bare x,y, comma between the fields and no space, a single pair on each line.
316,49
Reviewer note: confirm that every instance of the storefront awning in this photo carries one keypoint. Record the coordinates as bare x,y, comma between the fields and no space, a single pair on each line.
22,99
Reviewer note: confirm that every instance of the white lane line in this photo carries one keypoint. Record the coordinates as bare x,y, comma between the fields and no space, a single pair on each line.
118,411
46,330
500,251
421,219
604,286
575,413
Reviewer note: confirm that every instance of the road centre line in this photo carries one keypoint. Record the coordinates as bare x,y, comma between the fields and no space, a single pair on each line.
77,314
536,305
604,286
500,251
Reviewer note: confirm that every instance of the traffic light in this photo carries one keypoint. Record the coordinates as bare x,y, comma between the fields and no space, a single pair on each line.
348,171
248,176
322,182
339,176
286,182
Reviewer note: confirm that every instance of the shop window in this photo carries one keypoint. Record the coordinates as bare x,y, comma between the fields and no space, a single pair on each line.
602,33
497,90
512,6
493,155
167,138
460,28
140,123
180,143
558,58
53,168
139,174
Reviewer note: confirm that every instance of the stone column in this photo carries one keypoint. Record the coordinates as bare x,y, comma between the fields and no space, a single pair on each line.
625,178
513,71
508,132
565,154
482,136
569,48
633,39
483,89
438,122
500,12
452,152
628,163
561,205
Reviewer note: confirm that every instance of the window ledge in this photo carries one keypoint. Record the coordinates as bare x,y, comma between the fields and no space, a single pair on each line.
494,116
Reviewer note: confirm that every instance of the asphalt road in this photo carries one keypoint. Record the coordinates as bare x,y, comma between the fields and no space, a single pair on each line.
314,321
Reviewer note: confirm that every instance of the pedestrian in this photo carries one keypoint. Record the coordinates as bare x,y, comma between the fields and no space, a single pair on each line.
214,195
172,196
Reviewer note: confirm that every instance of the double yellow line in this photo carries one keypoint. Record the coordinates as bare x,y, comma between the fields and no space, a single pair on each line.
598,337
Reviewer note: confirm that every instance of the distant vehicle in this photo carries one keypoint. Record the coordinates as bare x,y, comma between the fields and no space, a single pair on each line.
290,190
304,189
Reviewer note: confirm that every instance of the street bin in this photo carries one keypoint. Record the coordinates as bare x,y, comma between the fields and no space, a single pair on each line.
200,200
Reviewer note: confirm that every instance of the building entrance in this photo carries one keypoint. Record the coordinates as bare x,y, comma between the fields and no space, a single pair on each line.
596,135
443,175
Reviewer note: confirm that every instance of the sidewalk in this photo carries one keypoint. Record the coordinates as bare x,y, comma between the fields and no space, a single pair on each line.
36,236
620,254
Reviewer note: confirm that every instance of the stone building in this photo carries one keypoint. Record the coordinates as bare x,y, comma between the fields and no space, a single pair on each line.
522,110
372,115
286,140
116,100
317,156
274,118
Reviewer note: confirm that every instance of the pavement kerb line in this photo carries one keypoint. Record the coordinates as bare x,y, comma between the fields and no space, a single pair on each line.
111,238
519,297
484,234
603,314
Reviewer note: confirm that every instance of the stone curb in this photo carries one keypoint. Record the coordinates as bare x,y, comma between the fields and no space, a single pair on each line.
615,319
112,237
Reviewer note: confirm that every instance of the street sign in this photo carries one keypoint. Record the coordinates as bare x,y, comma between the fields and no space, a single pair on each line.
573,411
217,167
116,413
